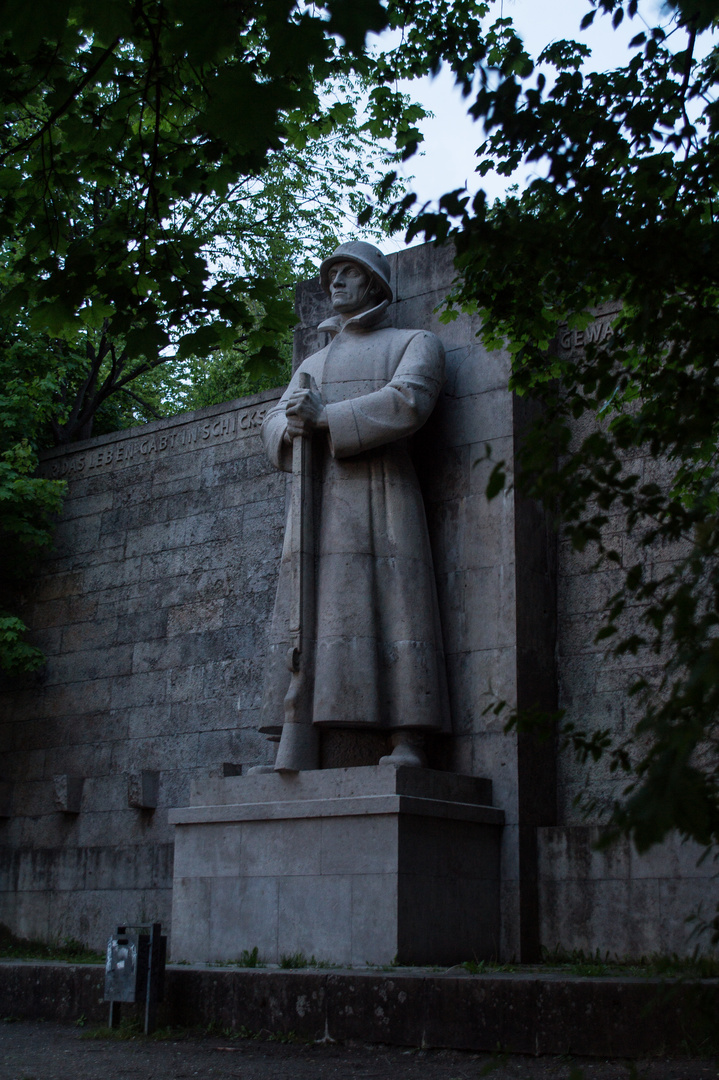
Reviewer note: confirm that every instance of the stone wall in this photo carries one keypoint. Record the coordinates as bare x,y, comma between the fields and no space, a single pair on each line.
153,610
612,900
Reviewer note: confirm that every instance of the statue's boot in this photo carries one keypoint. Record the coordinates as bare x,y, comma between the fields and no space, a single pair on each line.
299,749
408,749
273,736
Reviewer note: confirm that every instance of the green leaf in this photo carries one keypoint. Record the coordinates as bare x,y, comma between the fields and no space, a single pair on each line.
146,341
199,341
354,19
53,318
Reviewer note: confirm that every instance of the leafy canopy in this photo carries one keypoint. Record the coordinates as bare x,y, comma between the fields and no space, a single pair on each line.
125,127
162,163
623,206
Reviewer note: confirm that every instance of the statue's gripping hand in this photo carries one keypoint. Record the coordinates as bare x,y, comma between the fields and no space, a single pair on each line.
305,411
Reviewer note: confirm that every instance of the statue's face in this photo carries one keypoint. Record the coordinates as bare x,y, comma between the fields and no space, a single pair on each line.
348,287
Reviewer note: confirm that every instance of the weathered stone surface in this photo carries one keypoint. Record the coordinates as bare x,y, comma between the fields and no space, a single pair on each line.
629,1018
617,901
473,544
352,866
155,658
143,789
6,795
68,793
154,629
373,655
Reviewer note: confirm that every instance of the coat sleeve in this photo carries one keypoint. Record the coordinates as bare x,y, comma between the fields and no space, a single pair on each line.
395,411
273,431
274,424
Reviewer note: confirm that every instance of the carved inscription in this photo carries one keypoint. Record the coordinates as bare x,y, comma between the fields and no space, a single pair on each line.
120,455
598,332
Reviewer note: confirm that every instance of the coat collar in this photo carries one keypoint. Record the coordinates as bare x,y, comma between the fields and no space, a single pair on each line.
366,320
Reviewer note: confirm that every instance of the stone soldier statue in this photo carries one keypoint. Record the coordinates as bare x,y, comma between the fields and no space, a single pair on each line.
376,654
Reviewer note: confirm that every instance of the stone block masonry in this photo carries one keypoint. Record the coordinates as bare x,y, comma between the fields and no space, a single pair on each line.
152,610
373,865
528,1013
614,900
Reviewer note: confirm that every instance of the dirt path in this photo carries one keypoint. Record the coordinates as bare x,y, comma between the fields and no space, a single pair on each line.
31,1050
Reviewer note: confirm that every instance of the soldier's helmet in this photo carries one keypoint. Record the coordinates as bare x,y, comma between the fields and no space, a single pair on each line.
369,257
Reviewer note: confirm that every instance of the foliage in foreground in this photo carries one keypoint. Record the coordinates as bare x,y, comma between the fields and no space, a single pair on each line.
167,169
28,502
623,205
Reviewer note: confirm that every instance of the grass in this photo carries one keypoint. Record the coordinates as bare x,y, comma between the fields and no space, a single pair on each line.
249,958
481,967
288,961
299,960
131,1029
595,965
559,960
68,950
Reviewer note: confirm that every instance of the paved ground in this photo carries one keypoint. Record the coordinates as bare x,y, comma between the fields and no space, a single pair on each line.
31,1050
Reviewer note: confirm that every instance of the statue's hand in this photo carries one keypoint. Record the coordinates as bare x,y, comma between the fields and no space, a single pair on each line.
305,412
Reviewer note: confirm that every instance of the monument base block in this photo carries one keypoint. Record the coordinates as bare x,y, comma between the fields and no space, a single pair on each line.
351,866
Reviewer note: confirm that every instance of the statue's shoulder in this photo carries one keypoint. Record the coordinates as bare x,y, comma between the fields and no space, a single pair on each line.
315,361
417,336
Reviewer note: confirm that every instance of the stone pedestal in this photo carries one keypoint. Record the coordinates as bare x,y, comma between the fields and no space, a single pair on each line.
351,866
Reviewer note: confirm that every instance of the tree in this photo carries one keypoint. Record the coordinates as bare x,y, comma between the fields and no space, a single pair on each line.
27,502
278,226
131,133
625,207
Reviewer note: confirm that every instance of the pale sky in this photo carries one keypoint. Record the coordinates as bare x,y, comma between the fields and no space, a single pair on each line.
451,137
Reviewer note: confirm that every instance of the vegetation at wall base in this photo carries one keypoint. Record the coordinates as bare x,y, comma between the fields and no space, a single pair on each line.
67,951
594,965
297,961
251,958
577,963
131,1029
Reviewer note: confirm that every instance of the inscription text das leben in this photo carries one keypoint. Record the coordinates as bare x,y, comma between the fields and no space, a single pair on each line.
138,448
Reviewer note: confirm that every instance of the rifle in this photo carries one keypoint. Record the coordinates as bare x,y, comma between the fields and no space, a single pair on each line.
299,742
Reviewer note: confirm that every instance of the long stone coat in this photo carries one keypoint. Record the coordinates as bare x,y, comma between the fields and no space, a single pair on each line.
378,657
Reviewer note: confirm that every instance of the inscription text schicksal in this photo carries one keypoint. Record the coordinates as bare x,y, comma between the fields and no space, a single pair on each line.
144,447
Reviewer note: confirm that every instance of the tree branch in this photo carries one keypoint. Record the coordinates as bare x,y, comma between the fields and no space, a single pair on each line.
62,109
140,401
83,409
